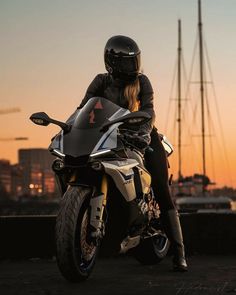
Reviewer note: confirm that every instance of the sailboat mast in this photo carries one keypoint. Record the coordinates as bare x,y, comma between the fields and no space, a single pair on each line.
179,101
202,87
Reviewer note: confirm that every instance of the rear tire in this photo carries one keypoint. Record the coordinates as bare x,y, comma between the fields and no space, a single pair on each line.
76,254
152,250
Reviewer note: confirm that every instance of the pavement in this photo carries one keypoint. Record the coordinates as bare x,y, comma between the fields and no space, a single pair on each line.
208,274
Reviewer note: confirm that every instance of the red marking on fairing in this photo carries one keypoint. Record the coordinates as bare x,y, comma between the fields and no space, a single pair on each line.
98,105
91,117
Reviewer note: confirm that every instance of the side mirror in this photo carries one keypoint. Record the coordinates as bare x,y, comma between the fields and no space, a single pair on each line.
135,118
43,119
40,119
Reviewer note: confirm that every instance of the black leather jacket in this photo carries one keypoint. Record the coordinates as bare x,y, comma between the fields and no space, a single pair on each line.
105,86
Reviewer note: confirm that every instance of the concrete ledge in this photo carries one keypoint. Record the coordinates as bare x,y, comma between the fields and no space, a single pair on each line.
33,236
27,236
209,233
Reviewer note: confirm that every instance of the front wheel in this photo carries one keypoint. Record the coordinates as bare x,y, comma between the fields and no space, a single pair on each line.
153,249
76,252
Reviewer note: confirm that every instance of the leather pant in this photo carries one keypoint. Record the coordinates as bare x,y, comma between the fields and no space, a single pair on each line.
157,165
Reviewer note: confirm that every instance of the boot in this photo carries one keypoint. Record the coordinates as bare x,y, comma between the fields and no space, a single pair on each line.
174,233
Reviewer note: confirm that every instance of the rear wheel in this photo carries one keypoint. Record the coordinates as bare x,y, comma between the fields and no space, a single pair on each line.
76,252
153,249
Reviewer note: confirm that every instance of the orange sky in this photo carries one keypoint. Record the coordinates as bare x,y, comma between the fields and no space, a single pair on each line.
50,52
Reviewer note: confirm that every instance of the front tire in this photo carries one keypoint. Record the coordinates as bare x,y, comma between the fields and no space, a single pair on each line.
76,253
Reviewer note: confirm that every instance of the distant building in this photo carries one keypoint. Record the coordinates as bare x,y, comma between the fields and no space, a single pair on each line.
37,177
16,180
5,176
49,185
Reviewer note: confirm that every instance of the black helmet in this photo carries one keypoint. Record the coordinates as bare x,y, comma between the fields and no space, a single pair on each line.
122,58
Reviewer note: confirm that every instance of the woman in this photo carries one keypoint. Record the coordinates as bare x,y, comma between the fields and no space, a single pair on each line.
127,87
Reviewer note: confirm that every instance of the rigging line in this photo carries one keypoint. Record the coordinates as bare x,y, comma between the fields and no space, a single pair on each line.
218,147
185,79
187,91
218,115
192,62
207,119
194,148
210,129
194,154
174,140
190,155
185,83
194,106
191,127
210,122
194,124
170,100
194,118
185,118
184,68
174,126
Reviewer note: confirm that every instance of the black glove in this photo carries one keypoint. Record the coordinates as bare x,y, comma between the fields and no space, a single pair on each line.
136,139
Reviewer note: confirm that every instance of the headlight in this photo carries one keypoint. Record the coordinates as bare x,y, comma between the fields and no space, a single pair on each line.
98,153
58,165
97,166
58,153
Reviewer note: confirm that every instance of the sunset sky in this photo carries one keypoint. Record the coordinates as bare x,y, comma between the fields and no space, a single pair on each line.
51,50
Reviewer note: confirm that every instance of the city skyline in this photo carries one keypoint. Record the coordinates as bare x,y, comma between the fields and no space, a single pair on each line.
51,52
30,176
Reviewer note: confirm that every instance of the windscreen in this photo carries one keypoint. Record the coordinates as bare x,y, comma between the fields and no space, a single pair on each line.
86,123
95,113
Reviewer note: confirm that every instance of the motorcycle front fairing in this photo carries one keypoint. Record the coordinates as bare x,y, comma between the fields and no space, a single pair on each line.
85,137
86,143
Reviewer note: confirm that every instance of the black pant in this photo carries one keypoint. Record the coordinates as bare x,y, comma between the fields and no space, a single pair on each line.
157,165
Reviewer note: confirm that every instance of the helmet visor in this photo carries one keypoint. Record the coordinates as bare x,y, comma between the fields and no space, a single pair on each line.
127,64
124,64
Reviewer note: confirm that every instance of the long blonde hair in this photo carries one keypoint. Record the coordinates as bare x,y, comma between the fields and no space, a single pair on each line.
131,94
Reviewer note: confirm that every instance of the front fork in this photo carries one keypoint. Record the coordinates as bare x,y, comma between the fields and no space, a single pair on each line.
97,205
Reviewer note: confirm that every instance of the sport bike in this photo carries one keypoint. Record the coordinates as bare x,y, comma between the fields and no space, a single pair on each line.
107,202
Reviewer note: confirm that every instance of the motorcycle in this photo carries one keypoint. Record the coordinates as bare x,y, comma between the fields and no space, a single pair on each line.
107,200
